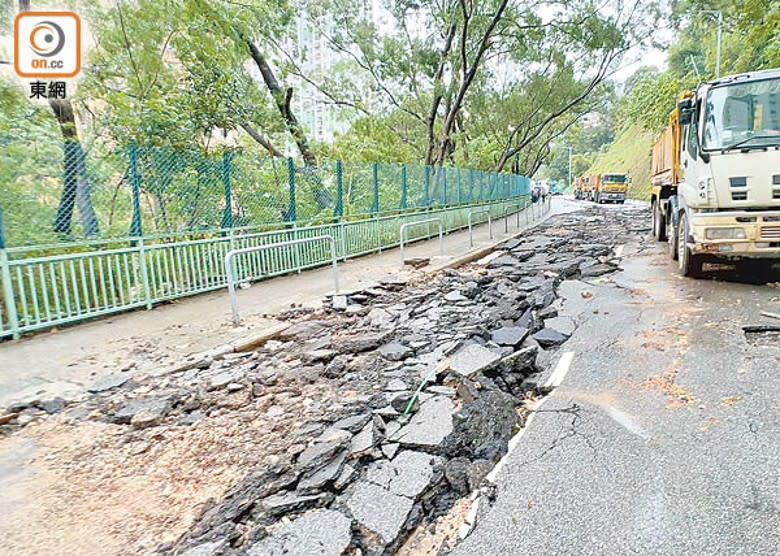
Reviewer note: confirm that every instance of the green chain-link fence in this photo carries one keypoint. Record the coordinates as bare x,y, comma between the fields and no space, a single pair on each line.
66,193
92,231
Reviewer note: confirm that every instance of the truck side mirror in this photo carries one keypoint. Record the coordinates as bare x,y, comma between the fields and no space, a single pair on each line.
685,108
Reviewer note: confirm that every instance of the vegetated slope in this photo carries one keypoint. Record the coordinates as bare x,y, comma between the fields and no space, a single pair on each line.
630,152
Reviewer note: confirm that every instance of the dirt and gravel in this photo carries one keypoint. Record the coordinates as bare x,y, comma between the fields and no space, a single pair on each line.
364,427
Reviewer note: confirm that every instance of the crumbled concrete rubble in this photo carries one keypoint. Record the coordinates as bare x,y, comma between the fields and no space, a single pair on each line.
386,406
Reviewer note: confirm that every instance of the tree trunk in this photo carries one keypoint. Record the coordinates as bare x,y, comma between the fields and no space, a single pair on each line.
282,99
437,95
262,141
445,143
76,187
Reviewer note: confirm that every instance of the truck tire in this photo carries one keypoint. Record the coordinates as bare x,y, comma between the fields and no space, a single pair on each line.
659,222
690,265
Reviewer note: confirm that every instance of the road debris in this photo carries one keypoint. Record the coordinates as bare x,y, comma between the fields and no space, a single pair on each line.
305,441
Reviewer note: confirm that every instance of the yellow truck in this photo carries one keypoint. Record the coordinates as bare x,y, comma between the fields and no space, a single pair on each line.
716,174
609,188
581,189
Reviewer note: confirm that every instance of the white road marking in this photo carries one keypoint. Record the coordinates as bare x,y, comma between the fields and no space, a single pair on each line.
555,380
564,363
626,421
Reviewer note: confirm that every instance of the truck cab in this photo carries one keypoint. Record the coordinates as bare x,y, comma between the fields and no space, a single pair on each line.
717,197
610,188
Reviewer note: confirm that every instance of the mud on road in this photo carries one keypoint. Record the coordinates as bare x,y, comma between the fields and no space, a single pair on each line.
364,426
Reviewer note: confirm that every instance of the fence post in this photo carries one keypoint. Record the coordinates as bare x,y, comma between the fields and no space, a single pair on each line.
292,212
404,186
8,290
339,208
375,175
427,185
227,214
136,228
444,184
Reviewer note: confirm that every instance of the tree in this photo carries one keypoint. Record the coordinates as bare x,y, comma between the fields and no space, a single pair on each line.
76,186
435,62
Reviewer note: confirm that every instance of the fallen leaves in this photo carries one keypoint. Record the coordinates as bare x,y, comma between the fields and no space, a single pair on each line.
730,400
708,424
665,384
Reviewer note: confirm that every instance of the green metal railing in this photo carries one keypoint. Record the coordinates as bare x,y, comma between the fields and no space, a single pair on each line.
65,288
182,212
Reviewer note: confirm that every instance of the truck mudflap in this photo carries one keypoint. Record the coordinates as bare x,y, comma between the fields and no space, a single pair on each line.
737,234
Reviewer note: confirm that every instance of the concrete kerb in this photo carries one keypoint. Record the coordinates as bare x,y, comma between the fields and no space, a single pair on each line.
218,352
482,251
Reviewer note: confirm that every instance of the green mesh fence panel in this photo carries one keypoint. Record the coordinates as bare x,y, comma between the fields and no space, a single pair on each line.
55,192
260,189
358,188
315,192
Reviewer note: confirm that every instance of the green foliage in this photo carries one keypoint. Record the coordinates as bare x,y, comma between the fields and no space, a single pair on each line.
585,142
372,138
751,41
629,153
650,99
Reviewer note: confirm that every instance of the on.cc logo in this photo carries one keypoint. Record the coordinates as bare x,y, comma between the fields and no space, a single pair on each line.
47,39
47,45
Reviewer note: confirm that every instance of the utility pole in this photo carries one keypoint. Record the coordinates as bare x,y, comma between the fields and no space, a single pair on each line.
718,15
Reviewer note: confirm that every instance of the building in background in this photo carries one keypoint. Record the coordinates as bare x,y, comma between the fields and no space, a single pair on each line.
315,56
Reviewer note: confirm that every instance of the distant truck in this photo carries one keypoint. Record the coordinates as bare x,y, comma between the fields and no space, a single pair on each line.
716,174
609,188
581,188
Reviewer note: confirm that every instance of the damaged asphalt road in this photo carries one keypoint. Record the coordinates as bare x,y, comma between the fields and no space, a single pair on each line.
381,422
664,436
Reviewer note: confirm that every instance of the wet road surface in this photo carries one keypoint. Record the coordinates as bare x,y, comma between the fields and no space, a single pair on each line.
663,437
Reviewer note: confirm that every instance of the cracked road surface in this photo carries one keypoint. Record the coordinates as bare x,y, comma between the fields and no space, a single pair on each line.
663,437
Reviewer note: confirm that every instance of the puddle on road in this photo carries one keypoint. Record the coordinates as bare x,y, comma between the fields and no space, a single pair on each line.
762,336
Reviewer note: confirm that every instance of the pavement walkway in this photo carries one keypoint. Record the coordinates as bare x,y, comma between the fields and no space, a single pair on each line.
65,362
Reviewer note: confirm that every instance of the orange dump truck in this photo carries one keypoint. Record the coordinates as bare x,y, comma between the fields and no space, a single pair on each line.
581,189
609,188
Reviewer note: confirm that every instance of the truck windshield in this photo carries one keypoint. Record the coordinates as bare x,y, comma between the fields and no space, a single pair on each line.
743,115
615,178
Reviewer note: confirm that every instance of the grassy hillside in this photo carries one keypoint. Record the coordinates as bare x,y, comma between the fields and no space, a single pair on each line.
630,152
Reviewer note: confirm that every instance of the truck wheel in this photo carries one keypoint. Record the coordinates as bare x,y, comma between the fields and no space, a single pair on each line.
690,265
672,235
659,223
